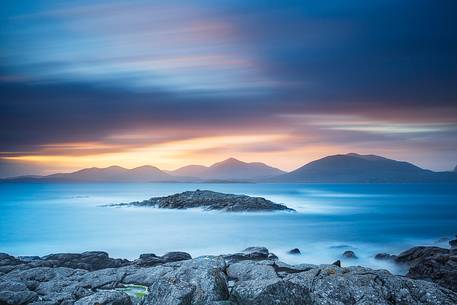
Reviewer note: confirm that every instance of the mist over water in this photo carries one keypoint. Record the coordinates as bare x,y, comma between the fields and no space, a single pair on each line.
43,218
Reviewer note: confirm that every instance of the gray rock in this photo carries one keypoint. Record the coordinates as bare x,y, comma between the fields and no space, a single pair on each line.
350,254
210,200
92,260
175,257
432,264
106,298
254,279
199,281
28,259
294,251
453,243
385,256
170,292
8,260
250,253
148,260
332,285
17,297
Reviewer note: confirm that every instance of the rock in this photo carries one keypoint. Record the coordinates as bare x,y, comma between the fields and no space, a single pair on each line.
332,285
350,254
106,298
17,297
337,263
175,257
209,200
198,281
294,251
432,264
214,280
8,260
93,260
148,260
453,243
385,256
170,292
256,252
28,259
417,254
272,256
251,253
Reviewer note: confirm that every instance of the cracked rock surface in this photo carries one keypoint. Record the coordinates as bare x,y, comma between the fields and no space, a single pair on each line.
252,276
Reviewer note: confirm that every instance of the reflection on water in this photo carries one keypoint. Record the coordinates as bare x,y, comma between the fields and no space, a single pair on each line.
37,219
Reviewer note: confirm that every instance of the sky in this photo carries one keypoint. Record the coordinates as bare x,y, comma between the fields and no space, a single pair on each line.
171,83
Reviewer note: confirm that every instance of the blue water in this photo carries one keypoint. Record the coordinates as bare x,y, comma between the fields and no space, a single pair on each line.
37,219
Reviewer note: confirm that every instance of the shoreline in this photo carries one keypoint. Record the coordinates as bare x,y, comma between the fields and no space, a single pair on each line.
252,276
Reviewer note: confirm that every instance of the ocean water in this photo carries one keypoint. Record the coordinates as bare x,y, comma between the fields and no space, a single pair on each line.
43,218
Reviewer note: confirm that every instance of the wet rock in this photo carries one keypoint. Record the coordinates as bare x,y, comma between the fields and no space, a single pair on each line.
105,298
250,253
332,285
148,260
294,251
8,260
210,200
350,254
17,297
337,263
385,256
432,264
92,260
201,280
175,257
453,243
255,279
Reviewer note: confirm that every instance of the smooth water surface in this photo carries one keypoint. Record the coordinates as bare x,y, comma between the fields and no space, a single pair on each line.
43,218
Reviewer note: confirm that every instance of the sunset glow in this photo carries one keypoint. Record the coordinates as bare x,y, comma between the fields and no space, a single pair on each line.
129,83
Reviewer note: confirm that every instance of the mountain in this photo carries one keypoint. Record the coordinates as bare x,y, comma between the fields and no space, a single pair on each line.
109,174
348,168
189,171
230,169
355,168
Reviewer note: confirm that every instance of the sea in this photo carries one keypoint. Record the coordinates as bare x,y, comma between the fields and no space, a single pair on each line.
44,218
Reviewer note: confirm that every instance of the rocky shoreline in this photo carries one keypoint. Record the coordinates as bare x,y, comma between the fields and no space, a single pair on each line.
253,276
209,200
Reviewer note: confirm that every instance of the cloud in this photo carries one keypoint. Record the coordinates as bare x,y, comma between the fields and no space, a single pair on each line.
98,78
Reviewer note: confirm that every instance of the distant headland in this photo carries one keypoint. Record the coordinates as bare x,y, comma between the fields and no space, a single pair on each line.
342,168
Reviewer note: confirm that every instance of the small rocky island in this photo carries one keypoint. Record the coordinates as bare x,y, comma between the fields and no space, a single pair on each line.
253,276
209,200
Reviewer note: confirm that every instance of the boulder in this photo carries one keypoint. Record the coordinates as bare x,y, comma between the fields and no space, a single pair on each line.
92,260
175,257
432,264
17,297
332,285
294,251
105,298
453,243
250,253
349,254
148,260
385,256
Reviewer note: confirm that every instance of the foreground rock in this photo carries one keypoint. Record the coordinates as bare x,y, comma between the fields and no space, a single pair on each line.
209,200
434,264
247,277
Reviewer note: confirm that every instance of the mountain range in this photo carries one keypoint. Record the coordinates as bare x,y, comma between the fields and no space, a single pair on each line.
344,168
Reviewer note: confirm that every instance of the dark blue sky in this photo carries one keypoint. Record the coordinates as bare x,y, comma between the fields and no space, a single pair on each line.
168,83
